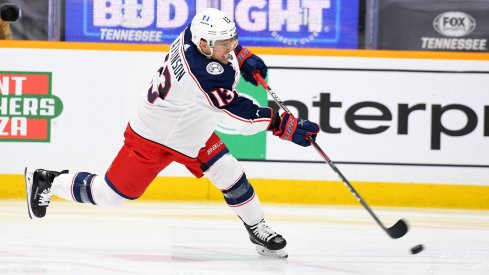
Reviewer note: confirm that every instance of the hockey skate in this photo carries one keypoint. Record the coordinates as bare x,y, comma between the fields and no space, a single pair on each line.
38,190
267,241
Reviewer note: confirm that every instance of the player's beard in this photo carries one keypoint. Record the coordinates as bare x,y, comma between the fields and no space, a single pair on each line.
225,59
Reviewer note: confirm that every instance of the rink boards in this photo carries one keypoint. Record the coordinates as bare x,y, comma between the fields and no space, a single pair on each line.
407,128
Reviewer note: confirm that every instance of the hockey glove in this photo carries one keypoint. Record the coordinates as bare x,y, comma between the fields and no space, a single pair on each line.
299,131
249,63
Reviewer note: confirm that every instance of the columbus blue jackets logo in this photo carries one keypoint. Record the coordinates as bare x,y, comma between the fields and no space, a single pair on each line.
214,68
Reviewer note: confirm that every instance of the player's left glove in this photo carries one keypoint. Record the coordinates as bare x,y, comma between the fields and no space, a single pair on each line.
299,131
249,63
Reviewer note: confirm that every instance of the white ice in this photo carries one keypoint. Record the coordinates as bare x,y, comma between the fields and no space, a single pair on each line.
206,238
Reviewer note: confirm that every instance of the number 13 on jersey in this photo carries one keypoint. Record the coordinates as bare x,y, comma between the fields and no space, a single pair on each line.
223,96
160,85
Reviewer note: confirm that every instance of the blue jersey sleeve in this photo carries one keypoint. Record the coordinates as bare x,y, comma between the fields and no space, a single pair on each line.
217,82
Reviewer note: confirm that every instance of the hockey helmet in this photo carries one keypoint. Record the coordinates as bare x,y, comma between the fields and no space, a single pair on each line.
212,25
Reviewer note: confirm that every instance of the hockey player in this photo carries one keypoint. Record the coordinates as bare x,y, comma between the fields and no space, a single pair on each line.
191,93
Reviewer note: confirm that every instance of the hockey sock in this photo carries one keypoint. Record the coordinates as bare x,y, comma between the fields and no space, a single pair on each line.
75,187
242,199
228,175
85,187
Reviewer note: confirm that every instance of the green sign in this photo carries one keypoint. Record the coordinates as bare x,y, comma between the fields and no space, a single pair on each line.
240,146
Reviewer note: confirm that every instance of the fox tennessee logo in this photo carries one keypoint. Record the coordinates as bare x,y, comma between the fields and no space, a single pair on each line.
27,106
214,68
454,24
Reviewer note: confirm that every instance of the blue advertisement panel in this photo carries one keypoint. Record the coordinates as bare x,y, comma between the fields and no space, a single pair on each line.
275,23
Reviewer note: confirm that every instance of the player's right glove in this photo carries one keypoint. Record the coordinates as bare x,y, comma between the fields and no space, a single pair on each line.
250,63
299,131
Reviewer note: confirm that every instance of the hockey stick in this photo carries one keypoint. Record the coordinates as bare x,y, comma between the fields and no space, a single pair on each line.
398,230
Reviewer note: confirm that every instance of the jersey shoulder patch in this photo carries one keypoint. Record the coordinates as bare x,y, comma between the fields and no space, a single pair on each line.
214,68
210,75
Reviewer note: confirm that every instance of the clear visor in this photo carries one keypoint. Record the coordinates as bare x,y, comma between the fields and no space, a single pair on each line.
231,43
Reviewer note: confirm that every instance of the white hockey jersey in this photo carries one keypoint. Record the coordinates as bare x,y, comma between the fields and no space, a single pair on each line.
190,94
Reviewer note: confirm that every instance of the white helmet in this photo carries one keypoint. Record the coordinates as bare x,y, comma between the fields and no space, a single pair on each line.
211,25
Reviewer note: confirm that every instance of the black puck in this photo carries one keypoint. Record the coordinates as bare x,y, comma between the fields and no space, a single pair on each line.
416,249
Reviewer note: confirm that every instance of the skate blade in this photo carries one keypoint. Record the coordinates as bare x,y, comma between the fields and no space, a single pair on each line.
29,178
281,253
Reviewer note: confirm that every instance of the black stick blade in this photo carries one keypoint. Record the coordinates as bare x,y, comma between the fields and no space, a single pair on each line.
398,230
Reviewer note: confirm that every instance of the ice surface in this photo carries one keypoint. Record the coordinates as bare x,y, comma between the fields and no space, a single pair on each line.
206,238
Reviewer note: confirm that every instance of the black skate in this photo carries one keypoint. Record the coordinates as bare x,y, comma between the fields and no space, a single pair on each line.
267,241
38,190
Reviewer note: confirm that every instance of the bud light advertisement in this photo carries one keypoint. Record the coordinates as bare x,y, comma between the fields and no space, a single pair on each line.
274,23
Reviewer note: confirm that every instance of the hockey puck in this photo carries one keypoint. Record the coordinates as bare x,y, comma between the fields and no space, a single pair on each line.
416,249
